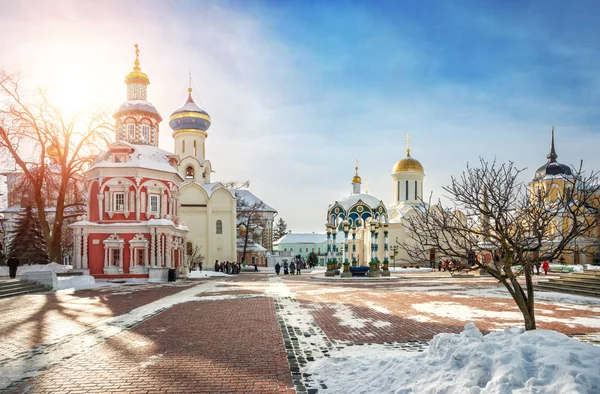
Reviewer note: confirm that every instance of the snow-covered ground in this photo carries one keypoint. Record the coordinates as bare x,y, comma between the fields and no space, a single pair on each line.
36,267
508,361
206,274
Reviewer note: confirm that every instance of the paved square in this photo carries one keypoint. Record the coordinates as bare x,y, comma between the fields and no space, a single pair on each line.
253,332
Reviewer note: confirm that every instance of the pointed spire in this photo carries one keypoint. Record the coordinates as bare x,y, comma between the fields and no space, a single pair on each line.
190,99
552,156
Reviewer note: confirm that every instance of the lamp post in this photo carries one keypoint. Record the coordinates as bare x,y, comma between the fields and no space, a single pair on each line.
373,271
334,248
346,228
354,264
386,261
330,271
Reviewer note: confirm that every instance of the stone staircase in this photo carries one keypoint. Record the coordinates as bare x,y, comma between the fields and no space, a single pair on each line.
585,283
14,287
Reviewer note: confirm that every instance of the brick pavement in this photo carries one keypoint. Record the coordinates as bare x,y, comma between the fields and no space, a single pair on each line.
195,347
32,320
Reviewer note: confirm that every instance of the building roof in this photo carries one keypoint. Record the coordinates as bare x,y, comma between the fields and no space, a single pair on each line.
350,200
306,238
141,156
137,105
251,199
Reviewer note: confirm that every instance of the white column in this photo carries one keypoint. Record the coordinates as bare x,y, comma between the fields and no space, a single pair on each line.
168,246
85,250
100,205
152,246
105,255
121,255
159,244
77,249
131,262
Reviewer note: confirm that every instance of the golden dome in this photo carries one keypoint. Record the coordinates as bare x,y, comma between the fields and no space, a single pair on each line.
136,75
408,164
356,179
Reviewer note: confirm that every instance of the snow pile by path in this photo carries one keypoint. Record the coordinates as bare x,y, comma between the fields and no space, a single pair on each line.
75,282
400,269
205,274
509,361
36,267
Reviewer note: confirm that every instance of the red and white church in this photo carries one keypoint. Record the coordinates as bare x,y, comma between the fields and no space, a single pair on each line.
133,221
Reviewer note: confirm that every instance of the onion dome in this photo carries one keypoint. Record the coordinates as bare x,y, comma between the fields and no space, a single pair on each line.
552,167
408,164
190,117
356,178
136,75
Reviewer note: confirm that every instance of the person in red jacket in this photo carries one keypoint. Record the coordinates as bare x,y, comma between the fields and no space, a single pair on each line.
546,267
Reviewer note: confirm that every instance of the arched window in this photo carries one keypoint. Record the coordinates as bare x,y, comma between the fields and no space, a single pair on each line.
182,146
219,227
416,190
406,191
189,249
195,149
189,172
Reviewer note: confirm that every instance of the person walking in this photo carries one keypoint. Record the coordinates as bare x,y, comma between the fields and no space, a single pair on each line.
216,265
12,263
285,268
277,268
537,267
292,268
545,267
298,267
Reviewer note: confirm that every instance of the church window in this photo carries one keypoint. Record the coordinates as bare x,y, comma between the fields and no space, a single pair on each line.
115,256
131,132
154,202
306,250
189,172
119,202
398,191
194,148
146,133
189,249
183,146
219,227
416,190
406,191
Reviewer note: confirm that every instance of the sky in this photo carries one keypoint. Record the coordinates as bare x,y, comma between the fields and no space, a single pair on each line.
297,90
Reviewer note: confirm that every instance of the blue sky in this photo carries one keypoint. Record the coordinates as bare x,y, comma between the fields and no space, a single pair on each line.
299,89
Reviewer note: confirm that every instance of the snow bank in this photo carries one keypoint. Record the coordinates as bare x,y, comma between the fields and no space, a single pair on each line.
205,274
37,267
75,282
509,361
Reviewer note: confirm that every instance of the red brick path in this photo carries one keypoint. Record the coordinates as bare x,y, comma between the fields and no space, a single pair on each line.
32,320
196,347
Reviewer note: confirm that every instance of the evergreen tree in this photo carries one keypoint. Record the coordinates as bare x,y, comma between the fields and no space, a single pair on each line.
27,242
280,229
313,260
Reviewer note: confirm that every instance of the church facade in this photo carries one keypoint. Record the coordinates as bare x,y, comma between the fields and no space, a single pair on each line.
150,208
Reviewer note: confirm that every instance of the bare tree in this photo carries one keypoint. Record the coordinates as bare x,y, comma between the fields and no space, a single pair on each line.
250,221
50,150
505,227
195,258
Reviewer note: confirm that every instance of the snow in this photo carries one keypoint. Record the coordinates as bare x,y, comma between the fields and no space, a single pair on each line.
75,282
508,361
206,274
143,156
350,200
54,267
251,199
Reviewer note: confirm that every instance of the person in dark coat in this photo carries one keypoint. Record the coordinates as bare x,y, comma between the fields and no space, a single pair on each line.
12,263
277,268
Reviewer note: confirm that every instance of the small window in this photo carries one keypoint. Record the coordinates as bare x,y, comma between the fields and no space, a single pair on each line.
285,249
115,256
291,249
146,133
406,191
416,190
154,202
119,202
189,249
183,146
219,227
131,132
306,250
189,172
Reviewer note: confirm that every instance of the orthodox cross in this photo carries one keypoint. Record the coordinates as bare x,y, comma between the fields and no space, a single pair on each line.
356,166
408,138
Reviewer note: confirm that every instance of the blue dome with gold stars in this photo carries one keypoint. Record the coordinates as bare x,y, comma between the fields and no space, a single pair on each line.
190,117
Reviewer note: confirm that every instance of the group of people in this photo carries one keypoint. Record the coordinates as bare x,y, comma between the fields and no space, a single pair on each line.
228,267
291,268
450,265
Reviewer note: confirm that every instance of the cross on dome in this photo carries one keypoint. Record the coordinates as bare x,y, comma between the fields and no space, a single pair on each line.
408,138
